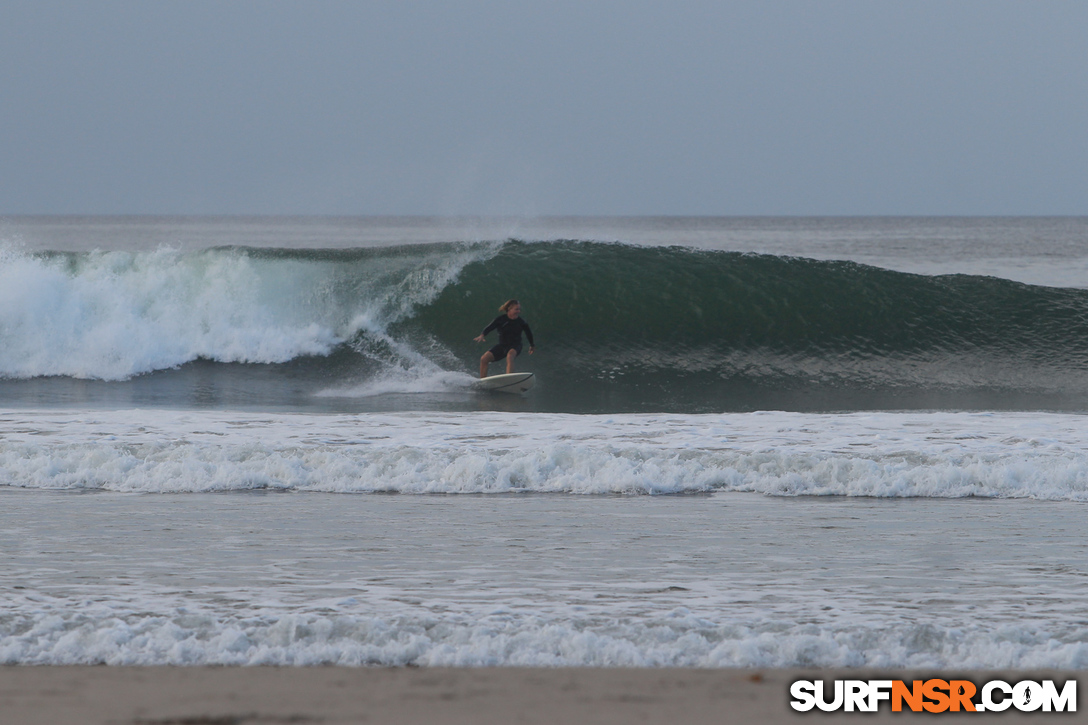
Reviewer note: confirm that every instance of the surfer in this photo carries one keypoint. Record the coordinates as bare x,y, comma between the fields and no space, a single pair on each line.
510,326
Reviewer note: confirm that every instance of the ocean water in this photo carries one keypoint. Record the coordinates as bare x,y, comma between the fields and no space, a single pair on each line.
754,442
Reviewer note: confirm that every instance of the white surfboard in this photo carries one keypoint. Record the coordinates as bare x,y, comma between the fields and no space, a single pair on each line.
509,383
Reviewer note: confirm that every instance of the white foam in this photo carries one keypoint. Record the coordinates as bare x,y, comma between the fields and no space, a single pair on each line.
419,379
390,609
177,631
112,315
947,455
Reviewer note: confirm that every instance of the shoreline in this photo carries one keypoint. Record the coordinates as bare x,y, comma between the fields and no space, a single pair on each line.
166,695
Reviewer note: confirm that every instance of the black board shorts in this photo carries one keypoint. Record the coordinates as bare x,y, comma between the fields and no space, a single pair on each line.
499,351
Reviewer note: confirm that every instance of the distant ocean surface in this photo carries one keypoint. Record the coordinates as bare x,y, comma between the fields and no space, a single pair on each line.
754,442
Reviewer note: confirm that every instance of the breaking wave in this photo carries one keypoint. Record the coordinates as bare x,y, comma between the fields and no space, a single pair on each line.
619,327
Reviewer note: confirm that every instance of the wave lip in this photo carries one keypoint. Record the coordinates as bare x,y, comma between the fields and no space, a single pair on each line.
938,455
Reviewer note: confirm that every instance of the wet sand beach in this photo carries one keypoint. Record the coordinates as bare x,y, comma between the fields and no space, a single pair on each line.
97,695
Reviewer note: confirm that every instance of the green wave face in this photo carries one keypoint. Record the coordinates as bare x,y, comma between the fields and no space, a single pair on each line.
636,328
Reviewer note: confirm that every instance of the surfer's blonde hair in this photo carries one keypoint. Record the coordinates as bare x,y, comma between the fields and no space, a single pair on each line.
507,305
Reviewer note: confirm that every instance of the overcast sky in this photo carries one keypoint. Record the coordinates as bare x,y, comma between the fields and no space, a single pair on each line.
472,107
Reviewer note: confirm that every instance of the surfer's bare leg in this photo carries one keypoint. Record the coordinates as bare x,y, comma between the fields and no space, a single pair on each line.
486,360
510,361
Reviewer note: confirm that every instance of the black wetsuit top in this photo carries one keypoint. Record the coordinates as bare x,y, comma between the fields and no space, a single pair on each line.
510,330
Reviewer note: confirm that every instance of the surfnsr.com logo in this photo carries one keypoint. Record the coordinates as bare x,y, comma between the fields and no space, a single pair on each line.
934,696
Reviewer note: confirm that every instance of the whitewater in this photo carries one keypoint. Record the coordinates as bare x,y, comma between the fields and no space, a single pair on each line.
113,315
944,455
765,442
